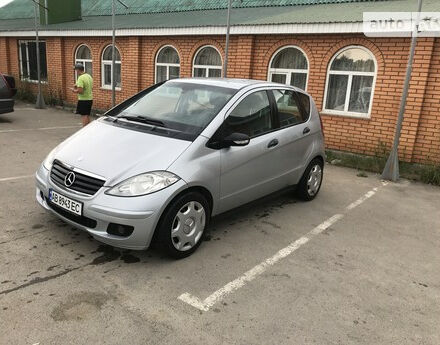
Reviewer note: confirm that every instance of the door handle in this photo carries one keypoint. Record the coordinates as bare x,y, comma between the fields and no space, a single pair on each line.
306,130
272,143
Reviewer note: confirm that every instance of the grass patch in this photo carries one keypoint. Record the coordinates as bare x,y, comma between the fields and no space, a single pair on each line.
431,175
427,173
361,174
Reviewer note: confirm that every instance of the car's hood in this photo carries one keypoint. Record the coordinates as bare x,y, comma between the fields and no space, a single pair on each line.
117,153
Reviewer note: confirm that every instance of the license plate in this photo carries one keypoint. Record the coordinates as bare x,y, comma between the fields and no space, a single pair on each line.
66,203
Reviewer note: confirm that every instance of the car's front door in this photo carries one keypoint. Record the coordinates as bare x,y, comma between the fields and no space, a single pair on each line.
251,171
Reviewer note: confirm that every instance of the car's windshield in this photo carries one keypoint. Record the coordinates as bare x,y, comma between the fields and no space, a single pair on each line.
179,106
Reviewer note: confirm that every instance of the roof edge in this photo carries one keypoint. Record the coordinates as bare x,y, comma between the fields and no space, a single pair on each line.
260,29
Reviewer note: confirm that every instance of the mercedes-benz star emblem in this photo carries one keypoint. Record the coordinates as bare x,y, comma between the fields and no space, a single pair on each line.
69,179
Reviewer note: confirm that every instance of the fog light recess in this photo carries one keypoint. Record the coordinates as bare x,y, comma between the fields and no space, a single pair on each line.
120,230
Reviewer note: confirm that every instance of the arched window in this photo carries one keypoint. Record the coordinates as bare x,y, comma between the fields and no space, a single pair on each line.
106,68
207,63
167,64
289,66
350,82
83,56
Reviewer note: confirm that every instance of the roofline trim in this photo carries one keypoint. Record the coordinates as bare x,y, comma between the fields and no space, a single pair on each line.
315,28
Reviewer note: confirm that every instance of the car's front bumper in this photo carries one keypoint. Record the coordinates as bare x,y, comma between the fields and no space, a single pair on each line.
141,212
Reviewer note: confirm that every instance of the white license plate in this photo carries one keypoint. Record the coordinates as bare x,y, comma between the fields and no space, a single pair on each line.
66,203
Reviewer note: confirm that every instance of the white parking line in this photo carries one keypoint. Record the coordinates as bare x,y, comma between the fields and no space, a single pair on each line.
15,178
361,199
37,129
207,303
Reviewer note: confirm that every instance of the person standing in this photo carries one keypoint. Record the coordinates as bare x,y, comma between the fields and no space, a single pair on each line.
84,88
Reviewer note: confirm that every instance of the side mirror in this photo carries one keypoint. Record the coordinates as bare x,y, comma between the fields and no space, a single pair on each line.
236,139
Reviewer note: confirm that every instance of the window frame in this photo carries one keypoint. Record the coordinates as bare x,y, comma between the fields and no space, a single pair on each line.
165,64
109,63
273,114
286,71
350,75
299,103
82,61
207,67
20,61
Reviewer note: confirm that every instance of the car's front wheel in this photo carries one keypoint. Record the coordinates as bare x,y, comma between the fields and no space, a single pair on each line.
183,225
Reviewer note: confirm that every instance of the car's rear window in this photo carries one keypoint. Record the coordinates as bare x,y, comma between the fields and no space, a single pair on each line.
2,83
4,89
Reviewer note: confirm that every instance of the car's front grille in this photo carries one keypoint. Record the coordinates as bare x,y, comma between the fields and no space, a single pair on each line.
82,183
84,221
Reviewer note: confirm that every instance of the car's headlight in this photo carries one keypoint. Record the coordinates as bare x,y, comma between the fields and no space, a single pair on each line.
48,161
144,184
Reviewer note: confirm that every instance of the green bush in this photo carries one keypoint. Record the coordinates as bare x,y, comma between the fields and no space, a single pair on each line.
53,96
24,92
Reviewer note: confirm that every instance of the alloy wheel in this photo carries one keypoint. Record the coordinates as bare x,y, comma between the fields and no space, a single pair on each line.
188,226
314,180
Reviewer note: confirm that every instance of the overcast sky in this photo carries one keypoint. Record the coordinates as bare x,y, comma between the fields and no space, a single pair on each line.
4,2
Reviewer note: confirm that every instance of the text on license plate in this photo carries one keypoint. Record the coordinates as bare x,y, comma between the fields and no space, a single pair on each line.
65,202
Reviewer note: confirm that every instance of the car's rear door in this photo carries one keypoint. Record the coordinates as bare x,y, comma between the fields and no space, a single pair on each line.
295,139
251,171
6,101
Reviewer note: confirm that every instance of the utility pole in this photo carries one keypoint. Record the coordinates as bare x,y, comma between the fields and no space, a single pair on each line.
391,170
40,99
113,55
114,50
228,28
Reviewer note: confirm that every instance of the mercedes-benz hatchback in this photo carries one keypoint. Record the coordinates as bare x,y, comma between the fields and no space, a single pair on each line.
158,166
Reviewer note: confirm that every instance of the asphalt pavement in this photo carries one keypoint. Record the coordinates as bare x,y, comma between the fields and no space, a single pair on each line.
358,265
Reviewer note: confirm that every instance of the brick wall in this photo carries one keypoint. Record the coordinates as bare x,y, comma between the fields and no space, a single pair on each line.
249,58
427,143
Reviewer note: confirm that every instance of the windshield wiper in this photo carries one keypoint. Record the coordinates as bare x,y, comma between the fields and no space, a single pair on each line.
142,119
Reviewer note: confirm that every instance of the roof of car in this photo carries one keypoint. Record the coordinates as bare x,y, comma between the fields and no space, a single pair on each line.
231,83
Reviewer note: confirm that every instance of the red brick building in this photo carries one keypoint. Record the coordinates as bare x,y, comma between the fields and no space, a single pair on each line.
355,80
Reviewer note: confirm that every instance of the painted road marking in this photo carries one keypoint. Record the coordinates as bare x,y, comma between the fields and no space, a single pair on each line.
15,178
361,199
207,303
37,129
257,270
19,109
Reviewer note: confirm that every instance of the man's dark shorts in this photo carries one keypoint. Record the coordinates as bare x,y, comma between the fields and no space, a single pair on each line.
84,107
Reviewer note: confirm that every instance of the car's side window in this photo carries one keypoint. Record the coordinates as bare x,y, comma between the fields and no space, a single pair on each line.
252,116
305,102
289,111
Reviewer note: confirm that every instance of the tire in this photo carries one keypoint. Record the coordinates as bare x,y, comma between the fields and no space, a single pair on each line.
311,181
182,226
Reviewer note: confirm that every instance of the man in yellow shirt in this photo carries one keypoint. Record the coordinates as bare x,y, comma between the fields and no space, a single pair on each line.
84,88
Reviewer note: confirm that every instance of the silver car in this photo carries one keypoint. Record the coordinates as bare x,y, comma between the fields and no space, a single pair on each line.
158,166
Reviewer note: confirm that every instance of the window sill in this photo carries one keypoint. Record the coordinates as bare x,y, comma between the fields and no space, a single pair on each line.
33,81
349,115
108,88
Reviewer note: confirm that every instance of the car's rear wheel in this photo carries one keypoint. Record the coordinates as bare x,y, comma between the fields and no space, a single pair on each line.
310,183
181,229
